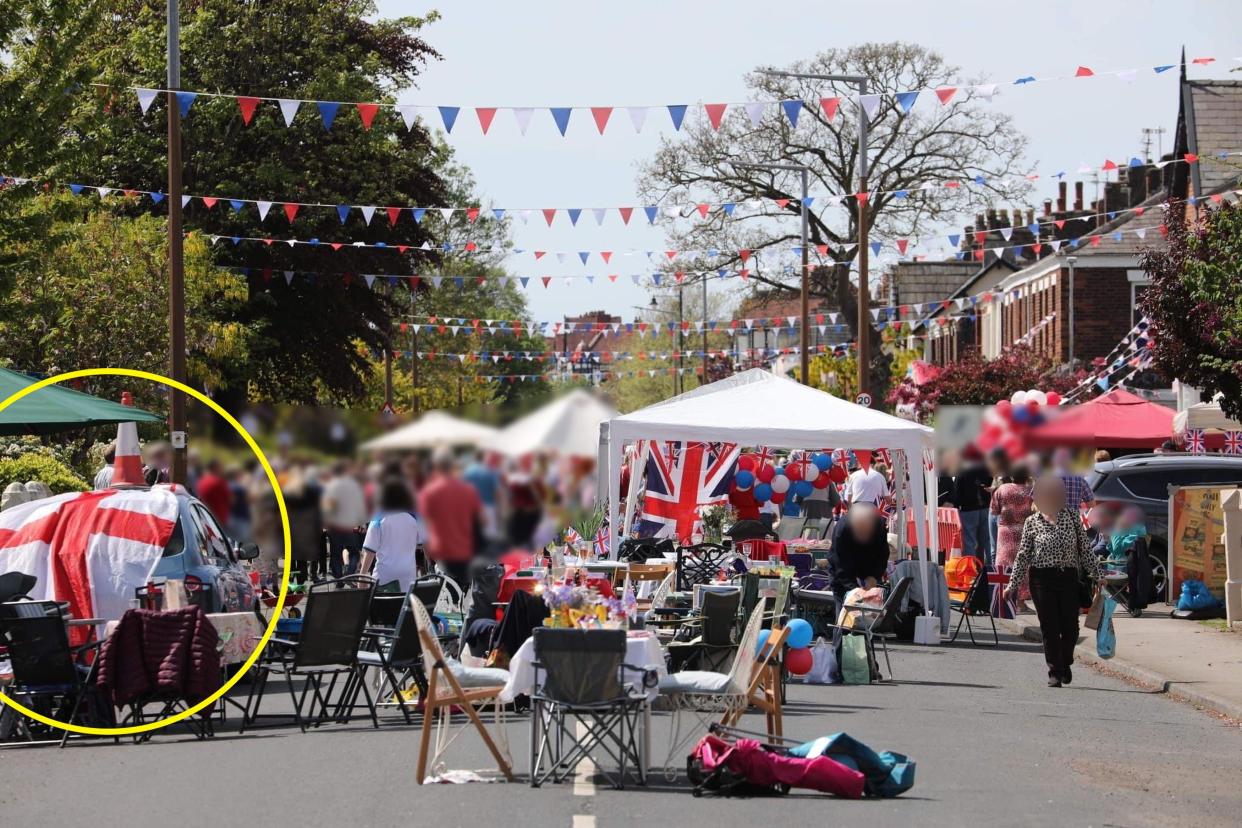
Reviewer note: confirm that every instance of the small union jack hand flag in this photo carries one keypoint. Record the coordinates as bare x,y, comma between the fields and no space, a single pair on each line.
1196,442
1233,442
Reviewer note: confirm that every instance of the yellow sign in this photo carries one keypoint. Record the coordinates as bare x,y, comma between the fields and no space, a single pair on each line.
1196,550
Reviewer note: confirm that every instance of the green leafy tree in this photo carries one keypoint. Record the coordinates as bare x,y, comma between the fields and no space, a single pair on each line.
305,331
1194,303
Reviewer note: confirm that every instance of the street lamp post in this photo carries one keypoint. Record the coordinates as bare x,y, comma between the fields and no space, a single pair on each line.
176,254
803,335
864,288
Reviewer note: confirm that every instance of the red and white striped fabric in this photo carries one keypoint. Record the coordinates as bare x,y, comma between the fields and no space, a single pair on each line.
90,549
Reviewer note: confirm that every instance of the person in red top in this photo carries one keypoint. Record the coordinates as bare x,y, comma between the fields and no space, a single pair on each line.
452,512
214,491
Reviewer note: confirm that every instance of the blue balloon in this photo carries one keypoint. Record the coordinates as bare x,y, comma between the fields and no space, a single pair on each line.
822,461
800,634
763,492
780,470
762,641
1021,414
803,488
744,480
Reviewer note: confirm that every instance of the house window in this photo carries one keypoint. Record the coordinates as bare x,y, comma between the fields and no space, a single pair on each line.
1139,282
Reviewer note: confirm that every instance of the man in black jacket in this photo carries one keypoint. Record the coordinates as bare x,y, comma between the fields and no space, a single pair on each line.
859,552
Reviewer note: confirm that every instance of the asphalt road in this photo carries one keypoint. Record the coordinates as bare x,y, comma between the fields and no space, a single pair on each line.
993,745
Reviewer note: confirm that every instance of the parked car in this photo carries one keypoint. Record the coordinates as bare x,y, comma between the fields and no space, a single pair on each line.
1144,480
201,554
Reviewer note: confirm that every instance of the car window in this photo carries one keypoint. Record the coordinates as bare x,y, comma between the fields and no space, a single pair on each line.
176,543
1106,486
212,540
1153,484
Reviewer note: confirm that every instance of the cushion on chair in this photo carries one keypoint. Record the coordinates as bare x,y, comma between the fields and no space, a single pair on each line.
695,681
476,677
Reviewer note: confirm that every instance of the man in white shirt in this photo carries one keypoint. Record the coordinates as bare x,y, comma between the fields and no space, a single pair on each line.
344,508
866,486
103,477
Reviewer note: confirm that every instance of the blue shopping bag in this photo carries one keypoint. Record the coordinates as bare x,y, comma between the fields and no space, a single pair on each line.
1105,637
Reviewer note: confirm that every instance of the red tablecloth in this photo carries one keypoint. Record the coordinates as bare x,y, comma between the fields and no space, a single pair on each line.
763,550
948,526
512,583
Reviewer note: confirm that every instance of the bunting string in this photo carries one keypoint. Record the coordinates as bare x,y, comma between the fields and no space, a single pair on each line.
601,117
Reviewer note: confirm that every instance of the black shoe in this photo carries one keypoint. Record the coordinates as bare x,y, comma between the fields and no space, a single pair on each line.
1067,677
1053,681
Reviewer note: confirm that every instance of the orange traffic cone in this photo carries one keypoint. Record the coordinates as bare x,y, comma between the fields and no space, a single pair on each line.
127,465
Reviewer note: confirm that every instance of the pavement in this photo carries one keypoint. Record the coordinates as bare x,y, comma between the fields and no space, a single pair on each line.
1197,662
993,744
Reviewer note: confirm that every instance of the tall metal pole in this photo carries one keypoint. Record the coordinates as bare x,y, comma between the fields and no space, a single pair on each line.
1071,261
805,334
681,380
864,287
176,254
703,279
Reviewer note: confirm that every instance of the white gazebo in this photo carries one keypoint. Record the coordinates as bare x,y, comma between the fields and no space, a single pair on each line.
433,429
1207,416
757,408
567,426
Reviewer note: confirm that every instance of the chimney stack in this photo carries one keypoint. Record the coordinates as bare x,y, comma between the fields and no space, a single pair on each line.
1047,206
1061,188
1077,196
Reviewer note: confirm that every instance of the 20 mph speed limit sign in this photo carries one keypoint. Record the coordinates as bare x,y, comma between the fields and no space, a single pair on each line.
864,400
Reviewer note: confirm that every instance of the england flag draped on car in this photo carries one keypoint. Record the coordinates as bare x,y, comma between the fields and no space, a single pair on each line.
682,478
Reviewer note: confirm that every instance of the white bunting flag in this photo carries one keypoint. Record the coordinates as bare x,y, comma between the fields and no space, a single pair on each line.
600,213
524,215
987,91
288,108
146,97
288,277
408,114
367,213
523,115
264,206
1128,75
447,214
370,278
638,116
755,111
870,104
185,201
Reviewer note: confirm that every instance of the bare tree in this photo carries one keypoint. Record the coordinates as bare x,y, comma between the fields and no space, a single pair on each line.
932,144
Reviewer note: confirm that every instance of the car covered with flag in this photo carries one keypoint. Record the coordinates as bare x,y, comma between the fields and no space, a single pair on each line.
96,550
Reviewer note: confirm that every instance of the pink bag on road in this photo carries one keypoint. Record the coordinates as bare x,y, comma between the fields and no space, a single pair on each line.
748,759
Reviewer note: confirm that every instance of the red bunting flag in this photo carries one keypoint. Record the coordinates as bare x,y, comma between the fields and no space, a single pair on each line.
902,244
247,104
1095,241
1109,164
606,255
486,114
1190,157
679,276
822,249
945,94
539,254
1083,72
625,212
703,208
612,277
472,213
601,114
291,211
1203,61
782,203
830,106
545,280
672,254
337,246
394,213
743,255
471,247
209,201
1060,223
715,113
366,111
549,214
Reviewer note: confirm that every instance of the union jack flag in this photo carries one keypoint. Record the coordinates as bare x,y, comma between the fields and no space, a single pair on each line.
680,479
602,540
1196,441
888,508
1233,442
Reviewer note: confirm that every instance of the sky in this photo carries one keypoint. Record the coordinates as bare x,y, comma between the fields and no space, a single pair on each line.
648,52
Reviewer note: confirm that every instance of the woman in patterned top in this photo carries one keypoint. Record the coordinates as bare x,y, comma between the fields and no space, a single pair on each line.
1052,549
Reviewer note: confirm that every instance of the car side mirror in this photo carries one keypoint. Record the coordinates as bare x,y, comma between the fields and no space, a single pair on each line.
247,551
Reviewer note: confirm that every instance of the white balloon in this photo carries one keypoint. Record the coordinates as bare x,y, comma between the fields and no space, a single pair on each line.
1037,396
780,484
810,471
1018,398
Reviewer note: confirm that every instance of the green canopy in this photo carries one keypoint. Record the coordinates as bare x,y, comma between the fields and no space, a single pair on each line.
57,408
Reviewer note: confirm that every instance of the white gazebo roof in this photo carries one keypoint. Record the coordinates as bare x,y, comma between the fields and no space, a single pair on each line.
568,426
758,408
433,429
1205,415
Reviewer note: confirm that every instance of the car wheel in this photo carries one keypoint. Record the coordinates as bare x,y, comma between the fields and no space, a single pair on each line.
1159,578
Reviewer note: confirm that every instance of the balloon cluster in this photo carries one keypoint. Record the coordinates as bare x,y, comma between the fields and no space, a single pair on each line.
798,658
761,481
1006,423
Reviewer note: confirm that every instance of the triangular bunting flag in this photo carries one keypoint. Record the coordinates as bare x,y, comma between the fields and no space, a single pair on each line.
408,115
146,97
184,101
945,94
906,100
715,113
448,114
792,110
367,111
601,114
677,112
327,112
523,115
754,111
560,114
830,107
288,109
638,116
486,114
870,104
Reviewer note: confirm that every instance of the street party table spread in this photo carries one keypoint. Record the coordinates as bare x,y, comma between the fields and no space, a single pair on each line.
642,651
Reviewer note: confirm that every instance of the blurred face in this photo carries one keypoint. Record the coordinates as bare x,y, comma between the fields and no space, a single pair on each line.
1049,495
862,523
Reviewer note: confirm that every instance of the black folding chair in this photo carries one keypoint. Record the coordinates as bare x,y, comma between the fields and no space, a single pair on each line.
880,623
578,681
710,638
397,654
327,648
975,603
699,564
49,676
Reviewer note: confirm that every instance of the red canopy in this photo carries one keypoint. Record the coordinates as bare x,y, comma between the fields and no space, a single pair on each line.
1117,419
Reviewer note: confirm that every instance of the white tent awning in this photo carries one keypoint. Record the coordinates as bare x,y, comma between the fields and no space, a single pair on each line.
433,429
567,426
1206,415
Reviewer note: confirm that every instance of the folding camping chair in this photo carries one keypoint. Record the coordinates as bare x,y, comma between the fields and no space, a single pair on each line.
395,652
49,676
976,601
881,622
452,685
710,636
581,705
327,647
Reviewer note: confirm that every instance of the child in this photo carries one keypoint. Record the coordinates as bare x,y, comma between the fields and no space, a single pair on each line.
1125,536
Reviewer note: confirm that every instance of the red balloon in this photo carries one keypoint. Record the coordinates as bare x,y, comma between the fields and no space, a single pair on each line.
778,497
1012,445
747,462
837,474
823,481
800,661
1004,408
766,472
1054,398
1032,406
793,471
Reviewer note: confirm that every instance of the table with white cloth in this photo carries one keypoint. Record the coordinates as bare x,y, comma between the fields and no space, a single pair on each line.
642,651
